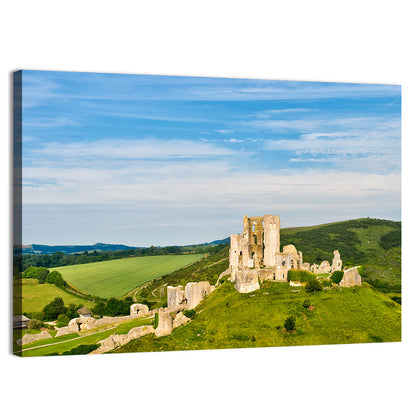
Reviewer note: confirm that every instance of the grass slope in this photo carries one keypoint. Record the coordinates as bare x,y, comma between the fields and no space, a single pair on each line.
228,319
115,278
209,268
30,296
360,242
70,341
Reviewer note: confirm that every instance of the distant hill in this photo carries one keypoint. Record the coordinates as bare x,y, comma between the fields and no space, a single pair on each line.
45,249
72,249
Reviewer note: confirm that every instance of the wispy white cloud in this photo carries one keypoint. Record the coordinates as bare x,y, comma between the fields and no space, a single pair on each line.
225,131
300,125
269,113
122,149
162,117
48,122
234,140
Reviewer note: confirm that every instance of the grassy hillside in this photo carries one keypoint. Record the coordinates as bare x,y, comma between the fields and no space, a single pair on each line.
228,319
374,243
30,296
209,268
117,277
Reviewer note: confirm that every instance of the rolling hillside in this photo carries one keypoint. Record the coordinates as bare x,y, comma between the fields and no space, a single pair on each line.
115,278
228,319
374,243
359,241
30,296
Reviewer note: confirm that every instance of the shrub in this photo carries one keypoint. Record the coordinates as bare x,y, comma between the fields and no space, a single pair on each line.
40,273
300,275
62,320
81,349
54,309
363,272
72,313
306,303
313,286
34,324
55,278
337,276
326,282
40,316
290,323
189,313
156,321
99,309
397,299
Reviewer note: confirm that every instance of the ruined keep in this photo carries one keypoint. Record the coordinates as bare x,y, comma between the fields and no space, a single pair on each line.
255,255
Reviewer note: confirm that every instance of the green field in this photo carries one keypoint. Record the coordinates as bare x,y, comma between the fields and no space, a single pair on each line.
228,319
115,278
35,296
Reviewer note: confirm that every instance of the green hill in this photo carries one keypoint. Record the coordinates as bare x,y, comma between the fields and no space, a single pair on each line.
114,278
209,268
228,319
360,242
30,296
373,243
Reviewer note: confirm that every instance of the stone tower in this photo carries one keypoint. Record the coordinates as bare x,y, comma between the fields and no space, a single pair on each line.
271,239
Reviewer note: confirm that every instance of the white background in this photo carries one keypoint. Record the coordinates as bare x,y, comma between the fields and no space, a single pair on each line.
349,41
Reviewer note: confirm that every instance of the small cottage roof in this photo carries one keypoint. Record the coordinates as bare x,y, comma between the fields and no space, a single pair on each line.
20,318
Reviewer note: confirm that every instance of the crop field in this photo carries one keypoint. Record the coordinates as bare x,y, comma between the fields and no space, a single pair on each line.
115,278
35,296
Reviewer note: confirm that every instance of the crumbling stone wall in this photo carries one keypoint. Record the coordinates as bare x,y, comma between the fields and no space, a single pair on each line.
324,267
336,262
175,296
28,338
196,292
180,319
351,278
190,297
116,340
83,324
165,325
138,309
246,280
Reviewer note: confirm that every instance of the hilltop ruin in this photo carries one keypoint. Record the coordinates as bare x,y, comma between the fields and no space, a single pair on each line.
255,255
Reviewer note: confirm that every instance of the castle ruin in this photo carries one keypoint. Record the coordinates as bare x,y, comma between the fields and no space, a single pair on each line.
255,255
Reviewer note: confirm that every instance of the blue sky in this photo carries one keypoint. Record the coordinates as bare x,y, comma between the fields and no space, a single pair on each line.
141,159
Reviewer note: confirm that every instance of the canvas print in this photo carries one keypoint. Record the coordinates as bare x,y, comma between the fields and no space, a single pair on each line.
166,213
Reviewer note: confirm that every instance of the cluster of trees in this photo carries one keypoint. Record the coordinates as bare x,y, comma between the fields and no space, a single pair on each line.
54,310
57,259
44,276
113,307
